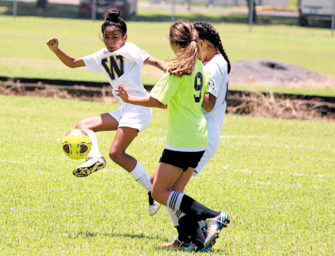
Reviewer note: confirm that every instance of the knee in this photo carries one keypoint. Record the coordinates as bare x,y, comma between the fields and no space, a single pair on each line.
115,155
155,194
80,125
158,195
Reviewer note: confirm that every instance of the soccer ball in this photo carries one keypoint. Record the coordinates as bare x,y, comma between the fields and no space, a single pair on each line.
76,144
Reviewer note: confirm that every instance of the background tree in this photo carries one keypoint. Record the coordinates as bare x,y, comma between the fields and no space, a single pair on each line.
253,11
41,4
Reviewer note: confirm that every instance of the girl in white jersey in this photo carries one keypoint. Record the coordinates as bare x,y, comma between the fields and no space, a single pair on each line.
121,62
182,89
217,67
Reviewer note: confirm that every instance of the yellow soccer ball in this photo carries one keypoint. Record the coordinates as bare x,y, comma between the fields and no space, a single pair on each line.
76,144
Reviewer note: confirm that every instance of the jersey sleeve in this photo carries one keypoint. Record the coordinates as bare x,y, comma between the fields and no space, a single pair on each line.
136,54
213,76
165,88
93,61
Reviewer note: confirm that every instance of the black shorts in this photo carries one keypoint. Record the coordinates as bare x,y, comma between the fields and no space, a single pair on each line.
181,159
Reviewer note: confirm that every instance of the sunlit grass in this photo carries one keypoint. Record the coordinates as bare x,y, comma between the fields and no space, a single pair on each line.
25,54
274,177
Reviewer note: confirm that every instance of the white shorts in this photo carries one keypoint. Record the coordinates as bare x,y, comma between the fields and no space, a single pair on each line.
133,116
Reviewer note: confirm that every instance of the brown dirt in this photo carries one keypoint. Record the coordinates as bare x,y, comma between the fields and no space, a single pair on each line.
252,72
273,73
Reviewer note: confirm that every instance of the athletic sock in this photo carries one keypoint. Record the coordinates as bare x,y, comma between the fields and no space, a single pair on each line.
141,176
186,204
173,216
94,152
190,227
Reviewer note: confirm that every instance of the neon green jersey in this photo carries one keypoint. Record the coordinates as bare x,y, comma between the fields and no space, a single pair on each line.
184,95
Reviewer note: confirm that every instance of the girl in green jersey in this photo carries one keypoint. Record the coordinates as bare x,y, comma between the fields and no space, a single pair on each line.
182,89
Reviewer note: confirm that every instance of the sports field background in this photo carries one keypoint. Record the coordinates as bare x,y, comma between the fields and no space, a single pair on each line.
274,177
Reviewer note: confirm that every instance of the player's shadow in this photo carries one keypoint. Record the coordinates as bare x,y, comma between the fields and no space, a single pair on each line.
89,234
180,249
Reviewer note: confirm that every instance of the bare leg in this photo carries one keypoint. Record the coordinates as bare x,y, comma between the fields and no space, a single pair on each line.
165,177
103,122
124,136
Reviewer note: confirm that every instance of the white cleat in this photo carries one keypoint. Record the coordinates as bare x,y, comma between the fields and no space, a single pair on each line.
90,166
153,205
215,225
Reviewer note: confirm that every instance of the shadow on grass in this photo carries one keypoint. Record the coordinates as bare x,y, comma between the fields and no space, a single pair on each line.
227,18
71,12
89,234
30,9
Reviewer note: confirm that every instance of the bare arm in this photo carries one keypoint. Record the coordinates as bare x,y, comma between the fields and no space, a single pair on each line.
64,57
209,102
156,63
142,101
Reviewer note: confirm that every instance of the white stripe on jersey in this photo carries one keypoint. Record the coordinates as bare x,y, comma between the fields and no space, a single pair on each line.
161,85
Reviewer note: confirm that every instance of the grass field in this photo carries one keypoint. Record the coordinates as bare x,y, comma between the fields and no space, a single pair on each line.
274,177
24,53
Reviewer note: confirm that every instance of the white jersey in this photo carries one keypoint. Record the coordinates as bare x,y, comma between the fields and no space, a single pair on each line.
217,75
122,66
217,71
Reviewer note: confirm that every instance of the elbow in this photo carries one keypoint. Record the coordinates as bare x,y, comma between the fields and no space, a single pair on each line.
207,108
71,65
210,107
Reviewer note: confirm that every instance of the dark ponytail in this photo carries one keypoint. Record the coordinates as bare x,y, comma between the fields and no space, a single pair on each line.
112,18
208,32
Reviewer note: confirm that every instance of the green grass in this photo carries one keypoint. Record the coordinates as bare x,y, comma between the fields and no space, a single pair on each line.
25,54
274,177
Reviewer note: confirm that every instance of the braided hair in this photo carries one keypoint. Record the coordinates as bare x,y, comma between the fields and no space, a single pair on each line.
208,32
112,18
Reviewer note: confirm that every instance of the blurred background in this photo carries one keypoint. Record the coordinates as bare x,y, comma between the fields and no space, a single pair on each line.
302,12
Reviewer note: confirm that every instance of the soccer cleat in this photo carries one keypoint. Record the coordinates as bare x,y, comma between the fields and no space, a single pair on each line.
204,229
153,205
90,166
215,225
193,248
176,244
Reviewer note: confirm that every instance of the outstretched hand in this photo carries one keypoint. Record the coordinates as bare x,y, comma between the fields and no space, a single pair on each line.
122,92
53,44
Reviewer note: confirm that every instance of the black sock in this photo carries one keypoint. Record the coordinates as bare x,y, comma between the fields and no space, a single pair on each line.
190,226
183,235
191,207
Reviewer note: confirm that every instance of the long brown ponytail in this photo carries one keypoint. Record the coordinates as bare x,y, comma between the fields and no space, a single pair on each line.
184,35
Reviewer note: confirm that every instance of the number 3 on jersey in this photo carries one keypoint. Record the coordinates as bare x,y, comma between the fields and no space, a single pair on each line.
113,64
198,83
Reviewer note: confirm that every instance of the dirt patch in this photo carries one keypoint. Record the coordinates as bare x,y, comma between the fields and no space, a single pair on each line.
246,72
271,73
253,104
259,105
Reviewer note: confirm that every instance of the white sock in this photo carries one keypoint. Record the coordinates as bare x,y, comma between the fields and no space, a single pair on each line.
141,176
174,199
94,148
173,216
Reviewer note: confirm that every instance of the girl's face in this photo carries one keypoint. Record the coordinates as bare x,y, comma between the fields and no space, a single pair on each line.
207,50
113,38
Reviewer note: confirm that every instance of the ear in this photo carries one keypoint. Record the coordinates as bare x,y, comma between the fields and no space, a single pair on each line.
125,37
201,43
